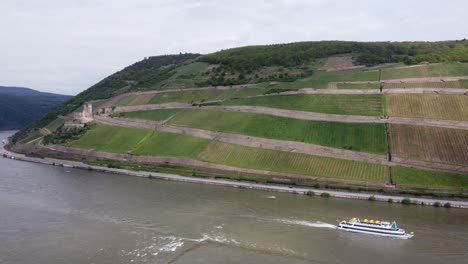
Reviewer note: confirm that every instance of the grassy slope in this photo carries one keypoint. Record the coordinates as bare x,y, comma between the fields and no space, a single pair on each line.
360,86
431,70
150,115
204,95
359,137
455,107
330,104
463,83
320,79
111,139
52,126
139,142
125,100
422,178
185,76
169,144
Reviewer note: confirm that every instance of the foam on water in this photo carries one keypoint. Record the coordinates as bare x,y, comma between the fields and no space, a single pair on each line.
316,224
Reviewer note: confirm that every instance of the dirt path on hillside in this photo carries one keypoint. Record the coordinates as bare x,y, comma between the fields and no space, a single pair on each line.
281,145
303,115
331,90
426,79
331,86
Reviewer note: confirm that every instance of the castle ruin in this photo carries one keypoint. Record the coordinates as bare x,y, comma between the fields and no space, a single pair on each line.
84,116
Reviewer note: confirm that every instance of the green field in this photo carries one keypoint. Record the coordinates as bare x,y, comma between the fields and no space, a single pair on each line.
271,160
204,95
139,142
170,144
111,139
320,79
354,136
159,115
32,136
351,104
431,179
463,83
431,70
358,86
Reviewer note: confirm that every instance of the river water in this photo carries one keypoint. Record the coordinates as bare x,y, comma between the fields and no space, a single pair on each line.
61,215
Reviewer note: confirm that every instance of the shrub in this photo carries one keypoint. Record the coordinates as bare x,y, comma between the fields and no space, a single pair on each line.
436,204
447,205
390,200
310,193
316,185
325,195
371,198
406,201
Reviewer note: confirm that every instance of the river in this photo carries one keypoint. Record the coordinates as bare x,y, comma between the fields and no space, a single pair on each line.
61,215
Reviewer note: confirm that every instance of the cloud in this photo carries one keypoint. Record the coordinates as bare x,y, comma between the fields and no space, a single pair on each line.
66,46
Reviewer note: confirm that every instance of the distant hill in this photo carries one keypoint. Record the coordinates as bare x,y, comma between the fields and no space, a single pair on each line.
20,106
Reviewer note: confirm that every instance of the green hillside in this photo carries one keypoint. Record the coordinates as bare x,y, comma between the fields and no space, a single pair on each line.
352,105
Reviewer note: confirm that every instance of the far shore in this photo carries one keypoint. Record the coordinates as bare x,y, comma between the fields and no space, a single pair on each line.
241,184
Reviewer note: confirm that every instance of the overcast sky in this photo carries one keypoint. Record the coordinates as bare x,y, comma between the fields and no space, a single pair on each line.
65,46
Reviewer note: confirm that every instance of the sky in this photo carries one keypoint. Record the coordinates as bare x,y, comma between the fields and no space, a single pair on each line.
65,46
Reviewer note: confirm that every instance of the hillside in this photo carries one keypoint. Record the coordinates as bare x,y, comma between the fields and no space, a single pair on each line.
21,106
386,116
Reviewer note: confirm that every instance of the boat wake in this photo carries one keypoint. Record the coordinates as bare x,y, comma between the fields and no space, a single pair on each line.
316,224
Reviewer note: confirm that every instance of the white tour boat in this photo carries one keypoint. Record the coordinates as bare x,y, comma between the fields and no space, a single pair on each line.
374,227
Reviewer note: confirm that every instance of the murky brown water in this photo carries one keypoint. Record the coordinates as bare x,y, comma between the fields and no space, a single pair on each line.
61,215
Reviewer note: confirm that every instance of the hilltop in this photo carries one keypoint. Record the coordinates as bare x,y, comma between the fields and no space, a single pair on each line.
380,116
20,106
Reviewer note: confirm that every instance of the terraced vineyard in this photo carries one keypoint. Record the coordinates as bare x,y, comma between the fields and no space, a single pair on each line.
204,95
142,99
355,136
433,144
449,84
434,106
422,71
52,126
433,179
125,100
139,142
158,115
263,159
111,139
351,104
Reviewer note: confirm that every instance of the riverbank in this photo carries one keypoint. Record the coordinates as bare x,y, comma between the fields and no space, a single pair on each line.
237,184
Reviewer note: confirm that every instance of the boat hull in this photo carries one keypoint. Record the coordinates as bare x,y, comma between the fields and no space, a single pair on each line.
400,236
